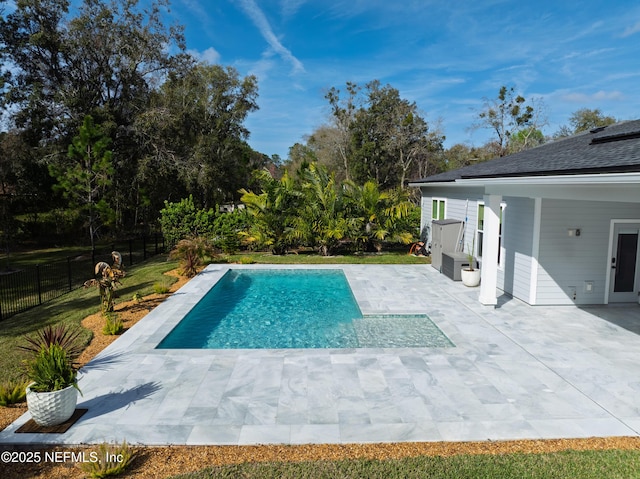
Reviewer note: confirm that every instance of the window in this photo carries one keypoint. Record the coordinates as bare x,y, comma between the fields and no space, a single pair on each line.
480,231
438,209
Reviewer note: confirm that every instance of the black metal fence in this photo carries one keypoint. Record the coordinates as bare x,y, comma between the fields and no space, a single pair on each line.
34,285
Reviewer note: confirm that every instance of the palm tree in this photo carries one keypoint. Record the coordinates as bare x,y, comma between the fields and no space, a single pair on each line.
380,212
322,222
274,212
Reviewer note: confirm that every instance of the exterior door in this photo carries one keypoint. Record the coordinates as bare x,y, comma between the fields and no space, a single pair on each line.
625,267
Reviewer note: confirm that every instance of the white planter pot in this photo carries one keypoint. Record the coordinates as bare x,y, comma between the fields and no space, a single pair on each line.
52,408
470,278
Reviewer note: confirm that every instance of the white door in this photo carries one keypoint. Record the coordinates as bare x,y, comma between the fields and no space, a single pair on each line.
625,263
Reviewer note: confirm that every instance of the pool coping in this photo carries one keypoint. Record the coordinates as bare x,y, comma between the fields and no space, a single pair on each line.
517,372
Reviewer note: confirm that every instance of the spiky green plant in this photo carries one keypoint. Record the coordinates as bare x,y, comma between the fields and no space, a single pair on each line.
51,370
60,334
113,459
12,392
113,325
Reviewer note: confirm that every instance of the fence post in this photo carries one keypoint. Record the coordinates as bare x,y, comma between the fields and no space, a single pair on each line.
156,240
130,251
39,286
144,247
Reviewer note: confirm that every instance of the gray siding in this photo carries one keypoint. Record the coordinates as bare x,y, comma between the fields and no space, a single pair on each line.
566,262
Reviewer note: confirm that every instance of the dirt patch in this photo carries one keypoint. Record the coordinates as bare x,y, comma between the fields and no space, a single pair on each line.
162,462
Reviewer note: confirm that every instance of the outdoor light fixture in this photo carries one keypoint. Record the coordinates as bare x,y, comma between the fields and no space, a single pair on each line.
574,232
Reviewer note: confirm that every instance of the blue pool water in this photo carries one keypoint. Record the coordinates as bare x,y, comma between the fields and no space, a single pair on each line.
276,309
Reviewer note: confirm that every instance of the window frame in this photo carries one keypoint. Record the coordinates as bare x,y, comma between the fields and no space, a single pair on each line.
441,207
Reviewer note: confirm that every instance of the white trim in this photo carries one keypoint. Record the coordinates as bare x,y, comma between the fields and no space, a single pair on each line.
501,252
607,276
535,251
489,269
445,201
605,179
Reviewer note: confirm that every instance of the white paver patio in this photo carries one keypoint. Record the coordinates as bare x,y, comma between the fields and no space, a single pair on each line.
515,372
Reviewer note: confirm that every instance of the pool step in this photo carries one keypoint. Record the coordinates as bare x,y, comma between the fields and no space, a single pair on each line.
399,331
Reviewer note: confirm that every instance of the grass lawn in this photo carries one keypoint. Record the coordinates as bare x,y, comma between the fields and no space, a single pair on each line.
71,309
613,464
394,257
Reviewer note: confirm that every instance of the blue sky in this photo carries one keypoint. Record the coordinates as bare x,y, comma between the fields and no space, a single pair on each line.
444,55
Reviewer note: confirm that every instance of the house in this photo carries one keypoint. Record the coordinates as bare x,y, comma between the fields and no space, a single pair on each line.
555,224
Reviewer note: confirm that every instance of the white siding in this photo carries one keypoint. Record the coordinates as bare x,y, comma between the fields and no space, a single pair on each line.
455,209
565,261
514,277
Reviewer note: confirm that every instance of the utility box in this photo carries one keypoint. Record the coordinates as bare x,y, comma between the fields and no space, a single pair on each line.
445,235
452,264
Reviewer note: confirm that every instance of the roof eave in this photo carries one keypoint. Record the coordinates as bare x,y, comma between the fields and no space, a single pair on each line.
582,179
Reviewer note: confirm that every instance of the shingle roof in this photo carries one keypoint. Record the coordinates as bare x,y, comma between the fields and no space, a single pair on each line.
612,149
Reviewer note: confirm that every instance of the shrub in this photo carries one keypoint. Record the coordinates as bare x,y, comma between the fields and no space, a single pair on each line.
160,288
113,325
191,253
51,370
113,459
227,228
60,334
12,392
182,220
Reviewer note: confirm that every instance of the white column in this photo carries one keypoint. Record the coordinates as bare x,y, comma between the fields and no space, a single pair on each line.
490,247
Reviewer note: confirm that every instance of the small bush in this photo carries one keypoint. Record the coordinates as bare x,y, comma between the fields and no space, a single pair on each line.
113,459
183,220
246,260
137,297
227,227
160,287
113,325
191,253
12,392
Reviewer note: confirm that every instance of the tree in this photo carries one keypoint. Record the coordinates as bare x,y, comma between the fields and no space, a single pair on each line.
274,212
388,137
584,119
195,131
509,115
380,213
84,178
343,113
322,221
104,61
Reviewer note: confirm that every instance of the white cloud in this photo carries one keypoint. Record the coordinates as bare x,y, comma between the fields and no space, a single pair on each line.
210,55
601,95
290,7
260,21
631,30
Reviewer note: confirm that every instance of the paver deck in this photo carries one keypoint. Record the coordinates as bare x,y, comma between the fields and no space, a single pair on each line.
516,372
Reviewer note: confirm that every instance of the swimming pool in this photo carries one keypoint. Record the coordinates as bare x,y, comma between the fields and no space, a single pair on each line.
289,308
